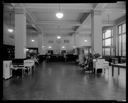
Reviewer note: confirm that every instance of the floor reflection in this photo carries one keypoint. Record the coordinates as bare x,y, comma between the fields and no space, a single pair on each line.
61,81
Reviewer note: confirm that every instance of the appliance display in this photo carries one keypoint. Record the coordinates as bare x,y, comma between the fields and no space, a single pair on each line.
7,73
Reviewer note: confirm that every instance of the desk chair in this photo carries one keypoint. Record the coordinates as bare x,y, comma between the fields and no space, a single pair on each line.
29,65
18,66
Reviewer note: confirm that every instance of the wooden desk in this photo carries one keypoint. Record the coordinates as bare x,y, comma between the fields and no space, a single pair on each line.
119,65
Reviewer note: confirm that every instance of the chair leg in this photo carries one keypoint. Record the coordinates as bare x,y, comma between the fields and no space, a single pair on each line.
30,70
95,71
22,73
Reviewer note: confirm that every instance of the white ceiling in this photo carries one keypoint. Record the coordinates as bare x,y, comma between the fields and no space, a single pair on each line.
76,16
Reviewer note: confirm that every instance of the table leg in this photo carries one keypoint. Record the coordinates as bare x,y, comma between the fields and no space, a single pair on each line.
112,70
118,71
22,73
31,70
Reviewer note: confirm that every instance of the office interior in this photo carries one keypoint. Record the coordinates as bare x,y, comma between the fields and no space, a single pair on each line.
64,51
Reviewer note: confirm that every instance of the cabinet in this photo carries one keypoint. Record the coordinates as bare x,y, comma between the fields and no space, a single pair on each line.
7,73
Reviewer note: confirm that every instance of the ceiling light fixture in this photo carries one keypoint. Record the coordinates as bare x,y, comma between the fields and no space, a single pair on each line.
85,40
58,37
10,30
63,47
49,47
33,40
59,14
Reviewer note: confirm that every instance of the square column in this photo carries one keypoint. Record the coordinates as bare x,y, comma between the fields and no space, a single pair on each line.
40,43
20,34
96,29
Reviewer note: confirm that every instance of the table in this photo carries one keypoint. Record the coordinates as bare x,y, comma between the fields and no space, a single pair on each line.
119,65
17,68
114,60
29,65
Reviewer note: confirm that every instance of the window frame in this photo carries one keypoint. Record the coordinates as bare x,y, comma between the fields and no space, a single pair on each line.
121,34
103,42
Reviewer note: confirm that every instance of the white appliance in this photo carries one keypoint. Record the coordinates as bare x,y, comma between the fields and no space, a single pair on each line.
100,64
7,72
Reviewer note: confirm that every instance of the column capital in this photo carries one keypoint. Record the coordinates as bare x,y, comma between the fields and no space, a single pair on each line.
19,10
96,12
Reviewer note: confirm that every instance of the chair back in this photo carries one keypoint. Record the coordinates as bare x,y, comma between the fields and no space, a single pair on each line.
29,62
17,62
101,60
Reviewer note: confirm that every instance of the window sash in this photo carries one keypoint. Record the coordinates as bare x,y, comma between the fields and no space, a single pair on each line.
108,42
119,29
108,33
107,51
122,40
119,45
124,45
123,28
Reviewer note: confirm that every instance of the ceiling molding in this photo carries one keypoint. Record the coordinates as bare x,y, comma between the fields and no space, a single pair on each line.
58,31
81,8
71,23
106,22
84,29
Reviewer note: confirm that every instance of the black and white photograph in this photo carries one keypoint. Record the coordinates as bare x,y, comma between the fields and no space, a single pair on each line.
64,51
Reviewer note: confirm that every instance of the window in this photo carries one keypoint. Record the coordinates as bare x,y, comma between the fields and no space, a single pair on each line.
123,45
108,33
119,45
119,29
112,52
107,42
123,28
122,39
107,51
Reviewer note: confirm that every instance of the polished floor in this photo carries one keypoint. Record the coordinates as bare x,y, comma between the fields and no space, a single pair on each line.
65,81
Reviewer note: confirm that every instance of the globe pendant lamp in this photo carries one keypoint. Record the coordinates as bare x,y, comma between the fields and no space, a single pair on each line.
59,14
10,30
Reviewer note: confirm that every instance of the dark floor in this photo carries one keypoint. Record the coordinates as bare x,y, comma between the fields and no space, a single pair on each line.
62,81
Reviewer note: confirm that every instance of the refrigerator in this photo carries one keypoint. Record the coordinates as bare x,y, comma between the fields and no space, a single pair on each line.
7,72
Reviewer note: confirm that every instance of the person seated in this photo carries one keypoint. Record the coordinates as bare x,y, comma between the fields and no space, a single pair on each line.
89,64
35,59
81,60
